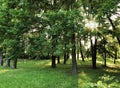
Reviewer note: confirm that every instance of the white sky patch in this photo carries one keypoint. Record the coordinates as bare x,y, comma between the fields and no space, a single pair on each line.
114,17
91,24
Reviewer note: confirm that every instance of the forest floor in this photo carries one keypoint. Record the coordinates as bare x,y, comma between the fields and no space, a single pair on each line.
39,74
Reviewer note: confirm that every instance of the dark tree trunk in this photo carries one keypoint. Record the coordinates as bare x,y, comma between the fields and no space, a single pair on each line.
53,61
81,52
66,55
58,59
74,63
94,52
104,57
15,63
65,58
78,54
1,59
115,57
53,65
114,61
8,63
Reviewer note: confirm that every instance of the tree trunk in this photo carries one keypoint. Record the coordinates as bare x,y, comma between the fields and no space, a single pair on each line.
58,59
53,47
8,63
81,52
65,58
114,61
66,54
74,63
104,56
78,56
53,61
94,52
78,49
1,59
115,57
15,63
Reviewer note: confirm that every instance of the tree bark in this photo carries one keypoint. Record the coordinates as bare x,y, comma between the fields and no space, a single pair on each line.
74,63
8,63
53,61
58,59
115,57
78,56
1,59
81,52
53,47
14,63
65,58
104,56
94,52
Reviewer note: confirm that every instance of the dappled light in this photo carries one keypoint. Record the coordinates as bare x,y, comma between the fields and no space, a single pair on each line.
43,64
100,78
2,71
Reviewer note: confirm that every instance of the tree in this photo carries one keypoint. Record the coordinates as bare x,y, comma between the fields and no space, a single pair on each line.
1,58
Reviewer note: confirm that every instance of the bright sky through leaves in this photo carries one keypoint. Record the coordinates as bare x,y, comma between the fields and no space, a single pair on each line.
91,24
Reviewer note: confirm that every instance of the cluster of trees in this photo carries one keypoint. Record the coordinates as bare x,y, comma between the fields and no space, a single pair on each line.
57,28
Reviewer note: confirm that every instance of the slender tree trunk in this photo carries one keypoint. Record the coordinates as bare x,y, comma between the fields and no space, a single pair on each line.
78,49
64,58
78,54
81,52
15,63
53,61
104,57
8,63
74,62
94,52
58,58
53,47
115,57
1,59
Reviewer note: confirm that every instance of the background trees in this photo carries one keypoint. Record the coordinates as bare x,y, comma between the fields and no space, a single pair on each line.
52,29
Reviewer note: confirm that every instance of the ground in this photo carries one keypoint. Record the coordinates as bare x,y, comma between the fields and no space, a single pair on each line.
39,74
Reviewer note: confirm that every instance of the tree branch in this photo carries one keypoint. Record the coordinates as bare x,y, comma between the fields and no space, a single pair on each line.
113,26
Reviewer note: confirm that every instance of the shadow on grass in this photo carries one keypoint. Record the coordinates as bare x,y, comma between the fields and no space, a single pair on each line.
98,78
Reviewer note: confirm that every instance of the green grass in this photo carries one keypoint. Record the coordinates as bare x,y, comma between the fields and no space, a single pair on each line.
39,74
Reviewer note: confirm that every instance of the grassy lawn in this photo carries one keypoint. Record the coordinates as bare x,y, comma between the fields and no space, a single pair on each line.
39,74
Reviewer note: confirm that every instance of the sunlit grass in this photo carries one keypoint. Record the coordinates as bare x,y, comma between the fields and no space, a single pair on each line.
3,71
39,74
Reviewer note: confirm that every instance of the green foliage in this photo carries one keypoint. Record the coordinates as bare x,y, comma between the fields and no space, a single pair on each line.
45,27
105,82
